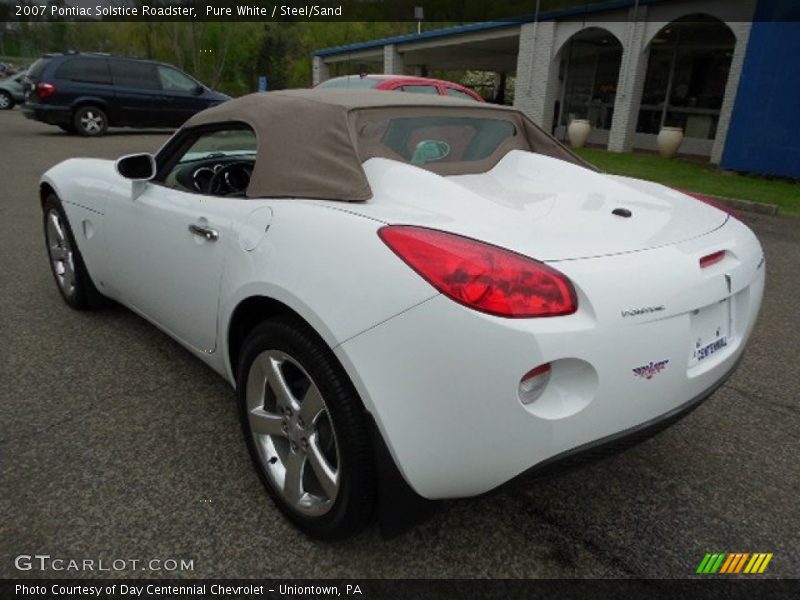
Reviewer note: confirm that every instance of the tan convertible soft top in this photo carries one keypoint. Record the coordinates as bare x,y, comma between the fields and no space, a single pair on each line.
308,145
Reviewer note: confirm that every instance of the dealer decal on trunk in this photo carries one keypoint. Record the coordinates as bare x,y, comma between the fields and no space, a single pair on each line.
650,370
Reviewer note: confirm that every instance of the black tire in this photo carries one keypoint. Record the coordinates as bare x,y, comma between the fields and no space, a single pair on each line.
83,294
354,504
6,101
90,121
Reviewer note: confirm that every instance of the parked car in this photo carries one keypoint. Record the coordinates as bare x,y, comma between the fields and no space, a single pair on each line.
87,93
401,83
12,91
415,298
7,69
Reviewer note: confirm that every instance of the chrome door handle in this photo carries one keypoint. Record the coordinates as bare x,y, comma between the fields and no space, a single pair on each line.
209,234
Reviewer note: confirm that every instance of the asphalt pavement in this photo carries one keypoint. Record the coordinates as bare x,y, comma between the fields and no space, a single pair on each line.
116,444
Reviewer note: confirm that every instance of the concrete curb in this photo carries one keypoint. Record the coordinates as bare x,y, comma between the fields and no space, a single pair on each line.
747,205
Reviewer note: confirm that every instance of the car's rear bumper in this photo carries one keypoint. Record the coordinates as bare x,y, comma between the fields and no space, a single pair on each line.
400,508
52,115
619,442
441,381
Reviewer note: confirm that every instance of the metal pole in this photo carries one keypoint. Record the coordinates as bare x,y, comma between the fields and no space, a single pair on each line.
671,78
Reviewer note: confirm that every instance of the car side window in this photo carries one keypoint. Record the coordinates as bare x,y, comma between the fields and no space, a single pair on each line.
420,89
133,74
174,81
85,70
216,162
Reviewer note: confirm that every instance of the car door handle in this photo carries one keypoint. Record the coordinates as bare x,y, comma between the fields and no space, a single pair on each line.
210,234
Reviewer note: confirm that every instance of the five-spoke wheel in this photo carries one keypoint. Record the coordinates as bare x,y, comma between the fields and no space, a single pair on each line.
90,121
62,260
66,262
306,429
293,432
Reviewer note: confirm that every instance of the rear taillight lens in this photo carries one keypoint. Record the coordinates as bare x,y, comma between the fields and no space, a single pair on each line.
711,202
45,90
481,276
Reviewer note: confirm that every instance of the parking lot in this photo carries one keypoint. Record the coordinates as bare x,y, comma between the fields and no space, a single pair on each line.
116,444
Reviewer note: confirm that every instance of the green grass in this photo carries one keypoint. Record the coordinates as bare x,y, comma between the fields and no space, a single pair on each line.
696,176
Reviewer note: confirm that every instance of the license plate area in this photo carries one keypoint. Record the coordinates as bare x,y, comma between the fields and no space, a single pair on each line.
711,332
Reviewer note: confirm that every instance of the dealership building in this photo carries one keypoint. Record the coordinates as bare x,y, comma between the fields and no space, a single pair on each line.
727,73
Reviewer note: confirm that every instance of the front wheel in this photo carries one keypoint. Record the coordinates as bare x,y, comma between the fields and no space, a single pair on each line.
90,121
6,101
66,262
306,430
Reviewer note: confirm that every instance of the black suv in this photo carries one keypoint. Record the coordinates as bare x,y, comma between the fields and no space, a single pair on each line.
86,93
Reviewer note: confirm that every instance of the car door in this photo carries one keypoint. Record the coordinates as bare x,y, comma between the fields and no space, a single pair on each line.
168,242
138,97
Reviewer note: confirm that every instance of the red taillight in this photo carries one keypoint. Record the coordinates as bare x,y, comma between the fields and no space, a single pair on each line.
710,259
482,276
712,202
45,90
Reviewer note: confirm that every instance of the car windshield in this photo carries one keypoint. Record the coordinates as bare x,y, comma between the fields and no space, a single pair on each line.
431,140
231,142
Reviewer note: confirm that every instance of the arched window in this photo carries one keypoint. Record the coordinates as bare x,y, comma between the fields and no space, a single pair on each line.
589,71
686,77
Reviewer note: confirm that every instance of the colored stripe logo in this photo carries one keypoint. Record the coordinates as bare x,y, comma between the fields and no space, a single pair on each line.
731,563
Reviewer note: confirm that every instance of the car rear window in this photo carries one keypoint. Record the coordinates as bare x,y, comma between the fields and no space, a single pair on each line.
352,83
37,68
86,70
436,139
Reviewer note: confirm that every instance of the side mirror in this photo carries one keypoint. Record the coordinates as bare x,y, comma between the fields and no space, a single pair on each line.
198,91
137,167
430,151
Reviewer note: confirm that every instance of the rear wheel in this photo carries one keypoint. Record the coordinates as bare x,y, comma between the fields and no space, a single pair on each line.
66,262
306,430
6,101
90,121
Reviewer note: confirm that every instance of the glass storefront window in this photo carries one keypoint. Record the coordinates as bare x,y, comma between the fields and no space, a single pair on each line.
686,77
591,62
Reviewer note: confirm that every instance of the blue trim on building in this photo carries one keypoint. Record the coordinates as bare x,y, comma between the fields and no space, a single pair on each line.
764,132
473,27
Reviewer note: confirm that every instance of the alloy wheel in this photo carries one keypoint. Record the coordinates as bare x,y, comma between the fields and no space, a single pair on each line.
5,102
61,254
91,122
293,433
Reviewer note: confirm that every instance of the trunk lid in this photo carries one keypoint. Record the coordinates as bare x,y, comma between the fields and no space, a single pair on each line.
539,206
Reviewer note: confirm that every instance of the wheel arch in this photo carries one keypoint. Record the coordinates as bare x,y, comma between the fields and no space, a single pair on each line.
249,313
399,507
89,101
45,189
100,103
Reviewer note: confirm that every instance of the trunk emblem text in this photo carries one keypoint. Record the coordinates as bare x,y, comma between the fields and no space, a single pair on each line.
644,310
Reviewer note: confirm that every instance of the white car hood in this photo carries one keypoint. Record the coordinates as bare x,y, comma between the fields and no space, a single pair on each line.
539,206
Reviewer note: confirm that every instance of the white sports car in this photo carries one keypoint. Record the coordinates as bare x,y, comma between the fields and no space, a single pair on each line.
415,298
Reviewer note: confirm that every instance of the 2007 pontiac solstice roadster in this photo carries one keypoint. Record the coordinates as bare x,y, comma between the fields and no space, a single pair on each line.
415,298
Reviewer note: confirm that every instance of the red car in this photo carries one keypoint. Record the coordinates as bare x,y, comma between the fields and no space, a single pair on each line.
402,83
